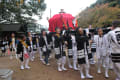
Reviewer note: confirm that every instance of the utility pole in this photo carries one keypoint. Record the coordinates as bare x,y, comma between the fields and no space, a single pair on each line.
50,12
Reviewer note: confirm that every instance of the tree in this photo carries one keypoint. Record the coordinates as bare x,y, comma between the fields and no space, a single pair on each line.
99,16
20,11
113,3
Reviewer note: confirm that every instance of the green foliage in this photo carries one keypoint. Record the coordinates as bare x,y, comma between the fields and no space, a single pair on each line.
15,11
113,4
105,1
99,16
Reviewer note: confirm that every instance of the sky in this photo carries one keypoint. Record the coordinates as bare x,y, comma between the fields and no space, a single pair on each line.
70,6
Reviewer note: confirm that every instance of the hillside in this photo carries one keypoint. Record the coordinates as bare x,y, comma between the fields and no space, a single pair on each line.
100,14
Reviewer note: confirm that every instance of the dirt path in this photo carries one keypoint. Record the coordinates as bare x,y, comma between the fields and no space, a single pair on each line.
39,71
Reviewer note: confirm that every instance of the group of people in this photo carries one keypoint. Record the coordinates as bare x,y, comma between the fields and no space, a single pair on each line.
77,47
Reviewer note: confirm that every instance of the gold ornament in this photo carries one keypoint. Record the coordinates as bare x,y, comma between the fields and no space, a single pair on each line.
21,1
39,1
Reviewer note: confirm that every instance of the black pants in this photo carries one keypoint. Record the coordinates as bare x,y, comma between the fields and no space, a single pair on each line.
21,57
46,55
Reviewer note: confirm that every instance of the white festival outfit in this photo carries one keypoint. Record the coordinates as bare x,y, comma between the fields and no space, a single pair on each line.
102,56
93,50
30,48
74,51
82,56
25,60
60,52
114,41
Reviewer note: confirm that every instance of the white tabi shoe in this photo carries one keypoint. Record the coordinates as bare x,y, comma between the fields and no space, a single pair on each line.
43,62
32,59
92,63
104,65
111,67
99,71
50,57
21,67
41,59
48,64
27,67
64,69
70,66
82,76
76,69
11,57
89,76
106,75
59,69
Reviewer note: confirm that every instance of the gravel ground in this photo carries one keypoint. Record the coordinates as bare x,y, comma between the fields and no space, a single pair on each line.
39,71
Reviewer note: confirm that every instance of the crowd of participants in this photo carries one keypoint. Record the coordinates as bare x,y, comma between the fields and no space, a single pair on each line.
75,48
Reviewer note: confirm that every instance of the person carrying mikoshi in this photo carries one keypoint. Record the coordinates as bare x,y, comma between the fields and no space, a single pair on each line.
93,49
60,54
72,49
101,52
82,56
22,51
114,41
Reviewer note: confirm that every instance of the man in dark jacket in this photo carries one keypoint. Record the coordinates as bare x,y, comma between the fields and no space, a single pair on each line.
81,41
60,54
45,45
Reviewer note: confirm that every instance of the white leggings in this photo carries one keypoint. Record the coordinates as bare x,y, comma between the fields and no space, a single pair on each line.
61,60
103,60
116,67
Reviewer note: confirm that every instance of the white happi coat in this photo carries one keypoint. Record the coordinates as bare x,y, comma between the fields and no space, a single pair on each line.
74,47
107,45
100,46
113,41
